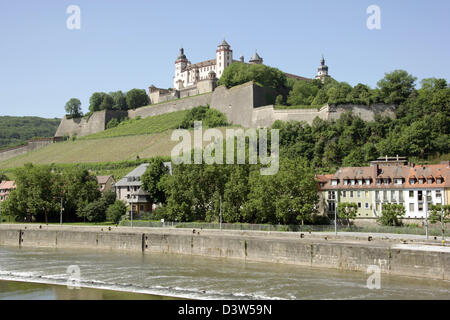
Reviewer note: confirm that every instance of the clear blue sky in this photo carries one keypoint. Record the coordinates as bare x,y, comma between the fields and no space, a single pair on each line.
133,44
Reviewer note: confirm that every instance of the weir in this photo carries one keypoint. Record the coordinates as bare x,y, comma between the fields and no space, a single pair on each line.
415,260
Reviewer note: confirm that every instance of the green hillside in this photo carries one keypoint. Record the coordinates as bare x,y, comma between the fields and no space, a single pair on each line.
17,130
156,124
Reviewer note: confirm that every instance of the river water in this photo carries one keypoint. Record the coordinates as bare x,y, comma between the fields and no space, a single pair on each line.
162,276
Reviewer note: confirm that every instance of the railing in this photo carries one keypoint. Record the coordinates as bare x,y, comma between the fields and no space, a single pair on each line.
342,227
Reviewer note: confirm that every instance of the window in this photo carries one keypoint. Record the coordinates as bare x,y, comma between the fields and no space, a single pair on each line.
366,205
360,182
386,181
439,180
367,194
351,194
334,182
367,181
344,194
378,181
420,206
353,182
438,193
411,193
411,207
359,205
331,195
419,195
430,180
398,181
358,194
421,181
345,182
385,197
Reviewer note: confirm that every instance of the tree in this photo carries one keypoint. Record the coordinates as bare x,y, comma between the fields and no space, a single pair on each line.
115,211
95,101
396,87
94,211
152,180
107,102
136,98
120,101
73,108
347,211
440,213
391,214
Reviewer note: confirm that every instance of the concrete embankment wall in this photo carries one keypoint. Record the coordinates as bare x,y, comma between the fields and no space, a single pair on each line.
313,251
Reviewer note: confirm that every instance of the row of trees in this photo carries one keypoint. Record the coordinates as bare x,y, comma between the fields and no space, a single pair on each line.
195,192
116,100
421,129
394,88
41,190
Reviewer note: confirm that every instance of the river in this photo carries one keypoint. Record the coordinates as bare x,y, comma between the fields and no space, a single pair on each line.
31,273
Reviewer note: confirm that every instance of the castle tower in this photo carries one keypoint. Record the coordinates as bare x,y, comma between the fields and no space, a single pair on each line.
322,71
256,59
180,65
224,57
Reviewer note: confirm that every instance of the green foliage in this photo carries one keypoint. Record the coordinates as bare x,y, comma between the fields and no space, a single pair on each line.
149,125
73,108
94,211
136,98
107,102
115,211
17,130
95,101
210,118
238,73
112,123
441,214
347,211
40,189
396,87
391,214
119,100
288,197
152,180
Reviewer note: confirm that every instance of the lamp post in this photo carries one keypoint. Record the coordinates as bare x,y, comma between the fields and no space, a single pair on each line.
220,213
426,223
61,212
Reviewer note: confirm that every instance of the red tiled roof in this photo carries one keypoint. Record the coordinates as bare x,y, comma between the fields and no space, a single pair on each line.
8,185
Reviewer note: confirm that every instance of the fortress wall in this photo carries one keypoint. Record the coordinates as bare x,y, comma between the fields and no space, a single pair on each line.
84,126
236,103
171,106
367,113
32,145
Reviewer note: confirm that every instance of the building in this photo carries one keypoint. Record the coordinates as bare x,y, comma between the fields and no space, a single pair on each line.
322,71
128,189
197,78
386,180
5,189
106,183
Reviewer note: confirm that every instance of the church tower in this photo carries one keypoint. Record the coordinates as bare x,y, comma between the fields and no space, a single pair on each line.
180,65
322,71
224,57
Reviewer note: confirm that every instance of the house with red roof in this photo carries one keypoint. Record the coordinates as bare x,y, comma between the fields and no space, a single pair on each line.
5,188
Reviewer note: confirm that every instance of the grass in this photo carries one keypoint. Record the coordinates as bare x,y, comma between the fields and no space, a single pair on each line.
149,125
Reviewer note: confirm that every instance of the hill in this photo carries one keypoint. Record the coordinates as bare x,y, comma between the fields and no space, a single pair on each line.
17,130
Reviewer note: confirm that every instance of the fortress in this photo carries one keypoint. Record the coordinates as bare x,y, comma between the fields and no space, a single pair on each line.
248,105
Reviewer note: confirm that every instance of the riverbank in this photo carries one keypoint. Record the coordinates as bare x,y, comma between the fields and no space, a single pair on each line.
406,255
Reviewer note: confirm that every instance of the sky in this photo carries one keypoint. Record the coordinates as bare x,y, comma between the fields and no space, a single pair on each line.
122,45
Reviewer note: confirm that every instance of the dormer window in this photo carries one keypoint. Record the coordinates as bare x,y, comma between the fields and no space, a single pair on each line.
439,180
421,180
386,180
345,182
398,181
378,181
412,181
367,181
353,182
360,182
334,182
430,180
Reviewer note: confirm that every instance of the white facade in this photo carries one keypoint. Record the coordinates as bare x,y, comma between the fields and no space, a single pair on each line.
187,74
